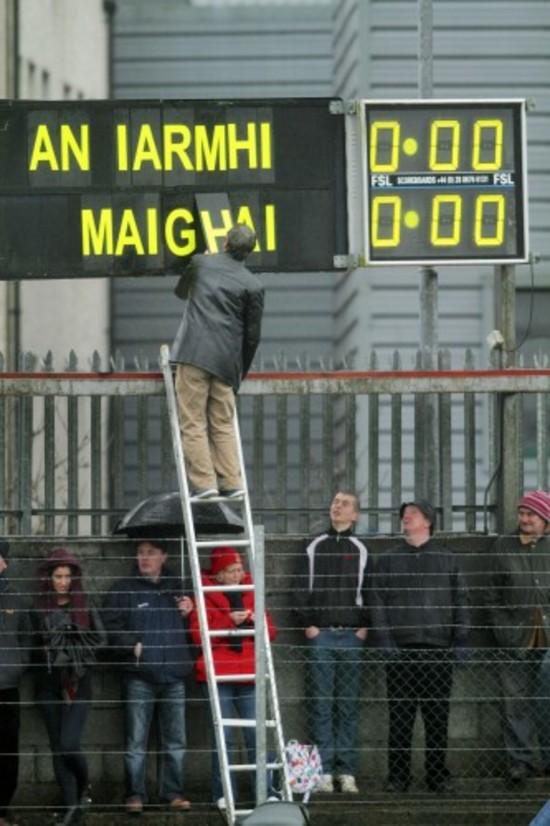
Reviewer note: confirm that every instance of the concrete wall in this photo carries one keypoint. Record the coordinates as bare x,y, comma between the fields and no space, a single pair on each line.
475,729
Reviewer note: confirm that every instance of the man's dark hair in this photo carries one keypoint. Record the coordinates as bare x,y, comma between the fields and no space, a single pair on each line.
240,241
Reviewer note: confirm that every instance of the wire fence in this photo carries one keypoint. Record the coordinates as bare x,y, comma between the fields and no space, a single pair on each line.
495,725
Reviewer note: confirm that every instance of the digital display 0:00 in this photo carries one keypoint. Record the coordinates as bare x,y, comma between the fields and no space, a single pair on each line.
445,182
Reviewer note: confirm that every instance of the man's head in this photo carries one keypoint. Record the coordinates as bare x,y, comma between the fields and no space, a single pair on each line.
534,513
4,552
418,518
344,510
151,557
240,241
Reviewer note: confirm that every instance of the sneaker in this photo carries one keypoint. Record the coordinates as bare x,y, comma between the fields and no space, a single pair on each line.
327,785
232,493
134,806
221,804
204,493
179,804
348,784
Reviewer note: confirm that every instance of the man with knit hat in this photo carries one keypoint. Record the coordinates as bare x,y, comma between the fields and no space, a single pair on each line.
518,601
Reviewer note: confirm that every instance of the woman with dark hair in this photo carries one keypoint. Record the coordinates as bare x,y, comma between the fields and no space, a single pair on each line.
69,632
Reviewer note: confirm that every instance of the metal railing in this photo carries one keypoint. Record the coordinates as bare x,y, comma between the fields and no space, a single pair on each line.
77,449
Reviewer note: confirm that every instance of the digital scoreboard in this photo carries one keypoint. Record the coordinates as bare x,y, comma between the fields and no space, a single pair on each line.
445,182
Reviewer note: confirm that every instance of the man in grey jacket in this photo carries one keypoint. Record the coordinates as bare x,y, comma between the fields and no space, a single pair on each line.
213,349
420,617
518,601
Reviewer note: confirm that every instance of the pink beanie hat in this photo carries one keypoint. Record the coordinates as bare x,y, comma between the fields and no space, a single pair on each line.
537,501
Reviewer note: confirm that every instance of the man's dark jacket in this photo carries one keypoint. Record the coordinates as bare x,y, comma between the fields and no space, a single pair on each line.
418,597
221,325
139,610
518,596
15,635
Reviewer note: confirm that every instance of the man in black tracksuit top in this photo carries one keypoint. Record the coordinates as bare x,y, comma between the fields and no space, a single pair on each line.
330,609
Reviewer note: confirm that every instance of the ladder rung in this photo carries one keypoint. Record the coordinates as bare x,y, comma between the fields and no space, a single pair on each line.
232,632
201,501
240,722
209,589
235,678
211,543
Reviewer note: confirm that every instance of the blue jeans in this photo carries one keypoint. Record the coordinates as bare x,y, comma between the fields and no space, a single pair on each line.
142,700
333,689
240,698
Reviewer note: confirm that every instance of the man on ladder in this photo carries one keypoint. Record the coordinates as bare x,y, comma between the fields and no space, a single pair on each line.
213,349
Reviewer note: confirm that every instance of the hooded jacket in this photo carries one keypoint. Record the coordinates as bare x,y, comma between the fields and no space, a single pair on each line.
139,610
221,325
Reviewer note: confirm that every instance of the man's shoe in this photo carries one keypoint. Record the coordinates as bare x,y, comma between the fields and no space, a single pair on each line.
179,804
221,804
348,784
232,493
204,493
518,774
134,806
396,786
444,786
327,786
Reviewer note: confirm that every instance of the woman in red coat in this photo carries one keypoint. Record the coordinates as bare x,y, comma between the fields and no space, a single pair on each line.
231,655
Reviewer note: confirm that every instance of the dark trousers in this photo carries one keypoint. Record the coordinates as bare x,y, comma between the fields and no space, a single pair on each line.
421,679
9,738
65,724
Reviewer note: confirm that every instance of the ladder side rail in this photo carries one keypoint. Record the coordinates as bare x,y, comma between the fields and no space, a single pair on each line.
260,660
197,581
263,635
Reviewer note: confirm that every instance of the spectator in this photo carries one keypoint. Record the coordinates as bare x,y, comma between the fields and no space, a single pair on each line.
14,657
213,349
146,617
419,606
330,610
69,633
232,655
518,600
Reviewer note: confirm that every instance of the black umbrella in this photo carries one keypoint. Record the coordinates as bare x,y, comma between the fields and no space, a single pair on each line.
161,516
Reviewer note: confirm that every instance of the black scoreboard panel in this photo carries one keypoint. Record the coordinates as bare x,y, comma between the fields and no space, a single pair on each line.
112,187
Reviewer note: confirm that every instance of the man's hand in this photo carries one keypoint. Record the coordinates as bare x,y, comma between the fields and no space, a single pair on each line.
361,634
311,632
238,617
138,651
184,605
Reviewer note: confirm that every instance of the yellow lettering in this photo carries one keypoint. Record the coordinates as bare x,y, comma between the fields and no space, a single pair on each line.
265,143
270,231
146,149
186,235
177,139
152,231
97,238
210,155
128,234
80,149
248,144
122,147
210,232
43,151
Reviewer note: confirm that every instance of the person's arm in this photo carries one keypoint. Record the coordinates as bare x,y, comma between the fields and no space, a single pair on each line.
184,286
377,594
461,606
252,328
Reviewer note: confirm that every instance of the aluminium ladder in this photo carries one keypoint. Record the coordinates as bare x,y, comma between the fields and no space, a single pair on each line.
263,651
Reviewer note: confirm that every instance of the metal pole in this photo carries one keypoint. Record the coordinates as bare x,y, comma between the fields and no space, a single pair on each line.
429,282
